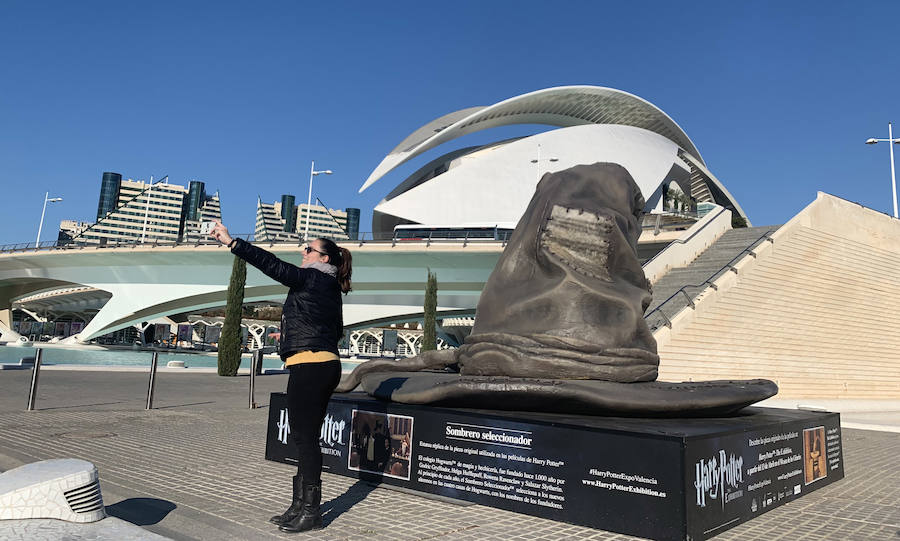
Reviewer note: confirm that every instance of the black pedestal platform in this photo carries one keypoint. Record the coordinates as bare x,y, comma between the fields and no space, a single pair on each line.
657,478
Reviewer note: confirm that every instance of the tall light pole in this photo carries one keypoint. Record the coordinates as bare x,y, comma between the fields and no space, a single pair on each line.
312,173
47,199
891,142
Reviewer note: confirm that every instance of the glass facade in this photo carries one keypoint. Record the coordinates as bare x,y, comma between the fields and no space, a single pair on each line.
109,193
289,213
352,223
196,195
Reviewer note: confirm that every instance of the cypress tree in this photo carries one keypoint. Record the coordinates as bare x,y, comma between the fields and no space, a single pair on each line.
230,341
429,338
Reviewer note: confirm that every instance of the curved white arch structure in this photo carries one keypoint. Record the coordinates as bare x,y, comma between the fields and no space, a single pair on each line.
498,181
561,106
492,184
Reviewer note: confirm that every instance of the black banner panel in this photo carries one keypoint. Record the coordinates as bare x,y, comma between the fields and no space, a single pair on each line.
666,479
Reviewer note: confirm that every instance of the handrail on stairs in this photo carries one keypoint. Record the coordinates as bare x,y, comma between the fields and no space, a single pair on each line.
708,282
688,239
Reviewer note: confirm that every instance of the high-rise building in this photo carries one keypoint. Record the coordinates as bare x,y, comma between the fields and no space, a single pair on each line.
145,212
109,193
288,213
195,197
352,223
69,229
207,210
323,222
284,222
270,225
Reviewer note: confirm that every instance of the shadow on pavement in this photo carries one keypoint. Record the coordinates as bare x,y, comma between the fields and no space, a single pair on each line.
141,511
81,405
183,405
336,507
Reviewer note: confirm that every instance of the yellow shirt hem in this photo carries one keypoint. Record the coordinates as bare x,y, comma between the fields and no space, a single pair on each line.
310,357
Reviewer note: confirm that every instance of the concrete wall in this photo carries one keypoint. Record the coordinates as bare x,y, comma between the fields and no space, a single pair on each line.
689,244
815,310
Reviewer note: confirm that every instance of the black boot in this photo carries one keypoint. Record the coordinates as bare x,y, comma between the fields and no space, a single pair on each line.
310,517
296,504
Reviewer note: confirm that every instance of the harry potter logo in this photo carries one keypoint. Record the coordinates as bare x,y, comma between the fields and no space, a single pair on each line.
332,431
713,476
284,427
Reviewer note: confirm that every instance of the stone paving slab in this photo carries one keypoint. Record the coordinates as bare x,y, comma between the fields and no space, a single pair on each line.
194,469
108,529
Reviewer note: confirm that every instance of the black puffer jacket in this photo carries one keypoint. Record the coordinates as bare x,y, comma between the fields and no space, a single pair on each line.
312,318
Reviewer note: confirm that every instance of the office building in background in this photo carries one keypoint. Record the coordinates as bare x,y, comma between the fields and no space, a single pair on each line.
69,229
134,211
282,221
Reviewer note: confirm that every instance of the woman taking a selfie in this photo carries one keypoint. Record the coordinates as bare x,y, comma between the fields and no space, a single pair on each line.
311,327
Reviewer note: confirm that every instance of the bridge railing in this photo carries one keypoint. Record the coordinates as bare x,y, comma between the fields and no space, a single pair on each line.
666,220
362,238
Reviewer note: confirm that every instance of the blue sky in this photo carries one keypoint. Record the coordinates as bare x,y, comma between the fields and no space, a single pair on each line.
778,96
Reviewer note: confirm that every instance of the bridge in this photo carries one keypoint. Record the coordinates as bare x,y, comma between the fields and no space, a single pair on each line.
131,283
145,281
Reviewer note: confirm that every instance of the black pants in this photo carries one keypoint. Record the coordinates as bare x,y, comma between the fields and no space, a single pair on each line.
309,388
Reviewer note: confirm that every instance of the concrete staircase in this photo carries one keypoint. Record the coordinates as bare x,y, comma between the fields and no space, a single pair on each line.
816,310
706,267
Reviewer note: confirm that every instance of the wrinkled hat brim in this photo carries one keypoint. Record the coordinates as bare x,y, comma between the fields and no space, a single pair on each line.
584,397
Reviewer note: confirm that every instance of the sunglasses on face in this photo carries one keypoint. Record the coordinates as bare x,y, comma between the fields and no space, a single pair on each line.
311,249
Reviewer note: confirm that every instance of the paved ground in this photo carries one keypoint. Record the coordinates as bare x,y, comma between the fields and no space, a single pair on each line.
194,469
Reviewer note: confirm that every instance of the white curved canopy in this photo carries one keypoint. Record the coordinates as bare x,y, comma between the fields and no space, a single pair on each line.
562,106
462,195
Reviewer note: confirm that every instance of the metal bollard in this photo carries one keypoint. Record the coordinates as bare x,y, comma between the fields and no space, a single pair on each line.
35,373
255,358
259,364
152,388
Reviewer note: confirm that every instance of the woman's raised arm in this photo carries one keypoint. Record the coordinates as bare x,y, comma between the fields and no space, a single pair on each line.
276,269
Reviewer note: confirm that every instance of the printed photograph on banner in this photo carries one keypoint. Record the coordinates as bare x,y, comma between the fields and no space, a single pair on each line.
163,333
271,336
185,332
381,443
212,334
815,464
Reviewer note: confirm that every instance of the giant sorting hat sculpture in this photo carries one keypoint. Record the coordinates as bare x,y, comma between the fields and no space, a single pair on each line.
559,326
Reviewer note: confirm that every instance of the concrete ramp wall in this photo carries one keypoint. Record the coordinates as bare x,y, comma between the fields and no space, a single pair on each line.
817,310
689,245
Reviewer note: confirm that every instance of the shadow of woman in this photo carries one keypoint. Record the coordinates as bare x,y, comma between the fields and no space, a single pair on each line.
355,494
141,511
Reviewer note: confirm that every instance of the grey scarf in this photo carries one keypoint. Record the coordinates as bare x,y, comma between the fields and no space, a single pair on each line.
327,268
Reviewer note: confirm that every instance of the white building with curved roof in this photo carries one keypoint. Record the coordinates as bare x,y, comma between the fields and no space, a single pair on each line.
494,183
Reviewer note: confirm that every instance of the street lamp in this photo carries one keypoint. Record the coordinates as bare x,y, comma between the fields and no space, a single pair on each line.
47,199
312,173
890,139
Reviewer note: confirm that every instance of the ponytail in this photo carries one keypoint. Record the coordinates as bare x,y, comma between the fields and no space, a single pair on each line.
345,270
340,258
